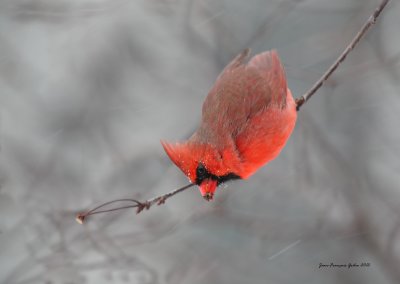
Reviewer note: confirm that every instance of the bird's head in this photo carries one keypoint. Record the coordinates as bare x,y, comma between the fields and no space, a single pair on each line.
203,164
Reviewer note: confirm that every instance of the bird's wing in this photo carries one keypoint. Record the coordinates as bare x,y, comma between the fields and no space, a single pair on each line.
270,69
241,91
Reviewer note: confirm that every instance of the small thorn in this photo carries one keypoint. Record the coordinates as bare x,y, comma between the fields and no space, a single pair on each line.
161,201
141,206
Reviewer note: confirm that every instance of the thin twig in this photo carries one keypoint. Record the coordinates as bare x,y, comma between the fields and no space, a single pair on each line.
80,217
372,19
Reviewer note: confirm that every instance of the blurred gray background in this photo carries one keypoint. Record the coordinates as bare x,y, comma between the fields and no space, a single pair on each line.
87,90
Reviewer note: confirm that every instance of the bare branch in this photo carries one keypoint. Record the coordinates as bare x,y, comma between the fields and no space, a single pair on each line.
372,19
80,217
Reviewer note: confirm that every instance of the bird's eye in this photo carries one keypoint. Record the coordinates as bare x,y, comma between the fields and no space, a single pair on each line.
201,171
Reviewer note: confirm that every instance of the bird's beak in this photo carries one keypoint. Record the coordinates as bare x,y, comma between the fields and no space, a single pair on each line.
207,189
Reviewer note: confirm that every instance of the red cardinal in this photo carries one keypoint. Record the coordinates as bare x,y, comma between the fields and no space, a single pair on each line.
247,118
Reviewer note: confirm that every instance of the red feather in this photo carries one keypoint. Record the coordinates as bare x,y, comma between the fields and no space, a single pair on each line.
247,118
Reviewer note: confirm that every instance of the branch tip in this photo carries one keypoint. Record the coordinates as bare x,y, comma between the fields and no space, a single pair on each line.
80,218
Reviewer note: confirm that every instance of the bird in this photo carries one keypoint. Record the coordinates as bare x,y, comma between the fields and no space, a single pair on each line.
247,118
